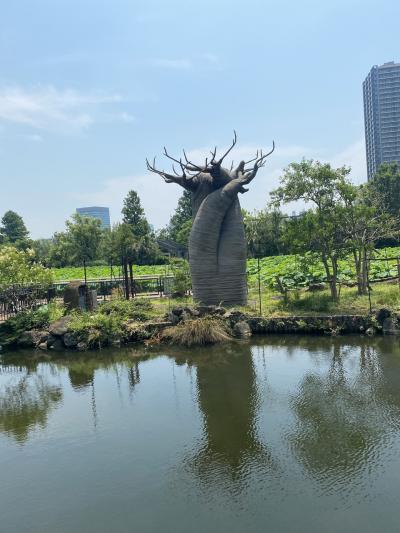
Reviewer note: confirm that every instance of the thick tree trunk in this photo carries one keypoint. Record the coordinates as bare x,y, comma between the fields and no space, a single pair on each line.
217,251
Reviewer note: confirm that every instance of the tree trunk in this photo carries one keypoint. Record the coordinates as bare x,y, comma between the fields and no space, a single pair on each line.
334,289
126,278
217,250
364,271
131,282
359,276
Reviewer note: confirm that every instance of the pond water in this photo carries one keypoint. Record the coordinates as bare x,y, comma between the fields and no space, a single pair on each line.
281,434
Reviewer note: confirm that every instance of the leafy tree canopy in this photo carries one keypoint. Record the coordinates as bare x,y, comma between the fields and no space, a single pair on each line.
13,229
19,267
182,214
133,214
83,237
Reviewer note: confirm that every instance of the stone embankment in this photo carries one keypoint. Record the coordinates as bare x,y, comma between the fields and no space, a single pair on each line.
59,336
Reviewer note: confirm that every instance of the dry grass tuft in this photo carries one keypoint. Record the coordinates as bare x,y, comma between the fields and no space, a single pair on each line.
196,332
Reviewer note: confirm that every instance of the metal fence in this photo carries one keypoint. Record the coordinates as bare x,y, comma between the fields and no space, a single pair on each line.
26,297
19,298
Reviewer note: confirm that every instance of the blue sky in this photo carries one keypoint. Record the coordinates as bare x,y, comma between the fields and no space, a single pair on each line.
88,89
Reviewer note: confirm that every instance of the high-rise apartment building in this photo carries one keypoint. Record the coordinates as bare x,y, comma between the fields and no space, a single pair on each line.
101,213
381,90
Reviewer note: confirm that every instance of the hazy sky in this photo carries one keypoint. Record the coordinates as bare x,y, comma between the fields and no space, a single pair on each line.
88,89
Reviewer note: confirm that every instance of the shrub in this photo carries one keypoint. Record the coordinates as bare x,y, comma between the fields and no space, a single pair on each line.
96,330
199,331
19,267
136,309
40,318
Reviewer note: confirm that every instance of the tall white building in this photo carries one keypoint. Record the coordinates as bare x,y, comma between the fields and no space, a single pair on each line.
381,90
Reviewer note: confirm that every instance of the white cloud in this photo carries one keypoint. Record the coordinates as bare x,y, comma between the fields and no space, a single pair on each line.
50,108
174,64
159,199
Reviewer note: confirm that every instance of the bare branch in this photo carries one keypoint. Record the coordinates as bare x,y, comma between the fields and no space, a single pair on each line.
219,163
181,180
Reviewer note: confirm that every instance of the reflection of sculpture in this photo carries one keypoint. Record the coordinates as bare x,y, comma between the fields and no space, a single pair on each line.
26,405
228,400
217,245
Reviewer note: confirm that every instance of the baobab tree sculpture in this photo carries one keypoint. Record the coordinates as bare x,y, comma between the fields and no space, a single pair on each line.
217,243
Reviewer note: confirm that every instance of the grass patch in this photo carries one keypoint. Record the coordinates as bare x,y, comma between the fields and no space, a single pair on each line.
140,309
197,332
96,330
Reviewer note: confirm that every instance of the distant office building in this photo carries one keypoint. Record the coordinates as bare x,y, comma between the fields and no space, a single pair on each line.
101,213
381,90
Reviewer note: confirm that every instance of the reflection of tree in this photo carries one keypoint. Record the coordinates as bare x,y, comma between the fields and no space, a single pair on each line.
341,417
81,376
27,404
229,401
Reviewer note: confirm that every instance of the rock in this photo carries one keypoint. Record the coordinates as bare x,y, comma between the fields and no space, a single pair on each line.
234,316
57,345
51,339
179,314
314,287
370,331
242,329
31,339
173,318
382,314
42,346
390,326
60,326
70,340
82,346
210,310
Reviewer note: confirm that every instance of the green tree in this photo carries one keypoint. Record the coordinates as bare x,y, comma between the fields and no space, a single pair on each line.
264,233
182,217
385,188
320,229
84,235
365,222
20,267
133,214
13,229
42,249
61,252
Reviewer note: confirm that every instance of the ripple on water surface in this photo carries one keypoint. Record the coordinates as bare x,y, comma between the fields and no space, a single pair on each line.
284,433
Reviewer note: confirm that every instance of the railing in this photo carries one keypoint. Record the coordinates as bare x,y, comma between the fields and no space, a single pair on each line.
22,298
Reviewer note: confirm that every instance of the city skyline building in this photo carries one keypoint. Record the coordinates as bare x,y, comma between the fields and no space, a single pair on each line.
100,213
381,92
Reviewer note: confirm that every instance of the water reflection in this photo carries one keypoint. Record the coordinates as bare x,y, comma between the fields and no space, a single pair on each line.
342,414
229,401
26,404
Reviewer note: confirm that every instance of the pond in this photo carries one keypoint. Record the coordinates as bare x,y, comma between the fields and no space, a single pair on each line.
293,434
